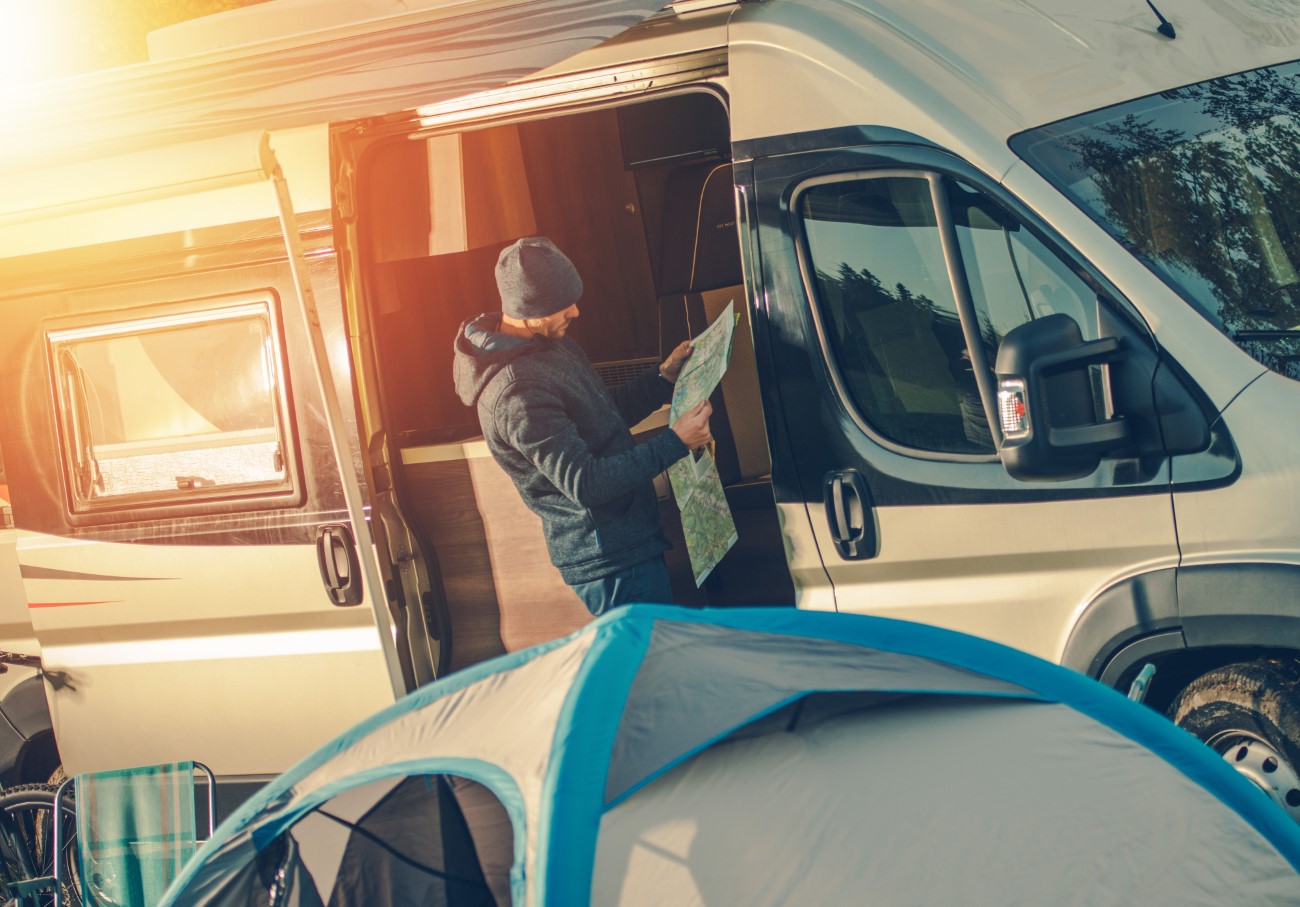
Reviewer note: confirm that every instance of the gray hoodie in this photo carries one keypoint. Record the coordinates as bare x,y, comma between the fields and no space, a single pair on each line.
563,438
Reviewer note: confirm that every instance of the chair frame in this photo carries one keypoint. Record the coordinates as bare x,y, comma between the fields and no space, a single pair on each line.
57,841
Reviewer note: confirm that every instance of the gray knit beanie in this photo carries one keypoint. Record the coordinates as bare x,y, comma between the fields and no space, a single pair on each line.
535,279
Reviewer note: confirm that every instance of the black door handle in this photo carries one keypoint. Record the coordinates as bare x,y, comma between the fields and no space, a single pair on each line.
340,568
850,515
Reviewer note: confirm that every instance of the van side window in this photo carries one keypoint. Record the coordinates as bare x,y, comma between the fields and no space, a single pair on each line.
888,312
887,309
183,406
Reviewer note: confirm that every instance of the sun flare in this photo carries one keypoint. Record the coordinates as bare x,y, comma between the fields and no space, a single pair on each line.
29,45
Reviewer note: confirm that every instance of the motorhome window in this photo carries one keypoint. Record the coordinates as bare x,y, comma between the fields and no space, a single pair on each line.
1202,184
180,407
888,313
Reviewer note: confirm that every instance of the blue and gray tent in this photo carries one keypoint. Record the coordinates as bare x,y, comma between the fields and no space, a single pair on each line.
756,756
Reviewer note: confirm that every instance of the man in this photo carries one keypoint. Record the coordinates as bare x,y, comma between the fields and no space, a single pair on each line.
563,437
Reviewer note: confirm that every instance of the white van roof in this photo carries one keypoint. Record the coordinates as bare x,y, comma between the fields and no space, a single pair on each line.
1009,65
1049,59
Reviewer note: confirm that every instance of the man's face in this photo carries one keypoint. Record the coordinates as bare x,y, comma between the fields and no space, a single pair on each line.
554,326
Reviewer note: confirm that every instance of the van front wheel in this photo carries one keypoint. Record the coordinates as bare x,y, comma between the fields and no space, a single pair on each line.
1249,713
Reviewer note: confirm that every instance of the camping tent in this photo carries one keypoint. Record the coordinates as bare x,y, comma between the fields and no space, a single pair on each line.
759,756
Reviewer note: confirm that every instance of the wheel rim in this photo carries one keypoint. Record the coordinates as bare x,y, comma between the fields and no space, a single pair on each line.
1260,762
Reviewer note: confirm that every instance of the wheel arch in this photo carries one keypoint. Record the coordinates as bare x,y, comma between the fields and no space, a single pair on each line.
28,750
1137,616
1187,621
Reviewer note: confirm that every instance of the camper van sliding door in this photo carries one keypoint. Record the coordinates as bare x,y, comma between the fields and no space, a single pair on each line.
188,553
182,596
891,274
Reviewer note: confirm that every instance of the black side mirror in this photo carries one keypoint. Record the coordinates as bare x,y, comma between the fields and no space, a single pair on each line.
1047,405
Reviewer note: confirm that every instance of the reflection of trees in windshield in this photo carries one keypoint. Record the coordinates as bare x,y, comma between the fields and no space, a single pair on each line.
1203,183
1241,101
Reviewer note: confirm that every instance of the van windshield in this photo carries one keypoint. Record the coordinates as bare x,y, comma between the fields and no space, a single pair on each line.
1202,184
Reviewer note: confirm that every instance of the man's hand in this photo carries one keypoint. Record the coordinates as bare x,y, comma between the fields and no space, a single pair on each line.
693,427
672,366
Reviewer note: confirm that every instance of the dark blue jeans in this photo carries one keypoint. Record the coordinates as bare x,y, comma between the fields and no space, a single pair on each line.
644,582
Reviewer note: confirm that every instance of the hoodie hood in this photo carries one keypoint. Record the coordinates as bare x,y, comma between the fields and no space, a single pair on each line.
482,351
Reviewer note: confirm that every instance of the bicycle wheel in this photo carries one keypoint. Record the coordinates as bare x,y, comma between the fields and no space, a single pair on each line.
27,841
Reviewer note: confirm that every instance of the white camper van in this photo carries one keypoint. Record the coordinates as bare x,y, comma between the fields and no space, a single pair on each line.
1020,324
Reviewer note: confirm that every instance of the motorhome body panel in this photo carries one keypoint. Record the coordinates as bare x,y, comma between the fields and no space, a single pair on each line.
15,627
44,207
184,646
21,686
1253,521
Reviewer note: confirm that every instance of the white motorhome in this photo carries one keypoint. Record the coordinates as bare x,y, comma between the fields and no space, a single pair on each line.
1017,355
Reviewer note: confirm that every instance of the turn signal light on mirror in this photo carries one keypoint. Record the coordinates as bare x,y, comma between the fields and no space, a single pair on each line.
1012,409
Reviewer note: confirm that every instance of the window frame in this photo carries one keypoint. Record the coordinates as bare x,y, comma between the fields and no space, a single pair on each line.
59,334
937,166
957,280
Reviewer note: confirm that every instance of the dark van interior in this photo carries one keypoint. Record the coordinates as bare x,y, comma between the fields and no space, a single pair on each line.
641,198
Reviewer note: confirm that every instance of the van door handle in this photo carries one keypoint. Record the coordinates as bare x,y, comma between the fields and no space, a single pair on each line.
850,515
340,568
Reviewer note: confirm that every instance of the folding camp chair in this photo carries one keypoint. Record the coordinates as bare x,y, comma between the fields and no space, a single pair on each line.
135,830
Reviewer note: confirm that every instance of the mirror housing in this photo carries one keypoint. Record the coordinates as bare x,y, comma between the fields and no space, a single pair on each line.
1047,406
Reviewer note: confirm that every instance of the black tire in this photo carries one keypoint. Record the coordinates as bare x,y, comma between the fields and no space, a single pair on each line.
1250,714
27,840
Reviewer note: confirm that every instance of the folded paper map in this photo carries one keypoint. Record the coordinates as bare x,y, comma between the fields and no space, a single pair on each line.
711,351
707,523
706,519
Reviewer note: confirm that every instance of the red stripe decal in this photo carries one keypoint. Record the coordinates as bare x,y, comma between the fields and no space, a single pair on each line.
69,604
